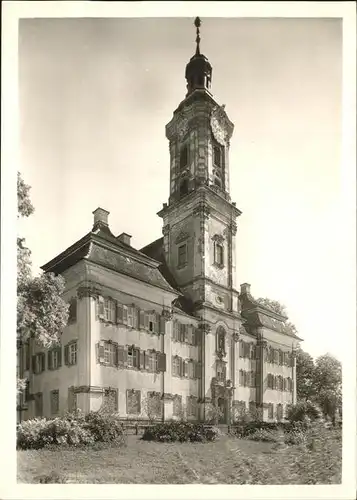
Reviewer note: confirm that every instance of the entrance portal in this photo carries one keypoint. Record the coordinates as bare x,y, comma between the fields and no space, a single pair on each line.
222,405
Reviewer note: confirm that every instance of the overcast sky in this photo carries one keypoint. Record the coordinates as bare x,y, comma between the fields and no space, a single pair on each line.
96,94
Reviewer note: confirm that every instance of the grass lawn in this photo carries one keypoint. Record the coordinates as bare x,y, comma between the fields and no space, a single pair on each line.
226,461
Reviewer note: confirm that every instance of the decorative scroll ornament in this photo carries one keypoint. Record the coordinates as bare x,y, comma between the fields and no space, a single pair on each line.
220,125
182,128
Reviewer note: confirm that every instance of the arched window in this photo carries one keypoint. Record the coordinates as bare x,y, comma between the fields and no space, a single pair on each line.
221,339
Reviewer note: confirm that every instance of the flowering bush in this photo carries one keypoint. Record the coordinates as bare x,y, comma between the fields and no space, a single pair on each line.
30,433
73,429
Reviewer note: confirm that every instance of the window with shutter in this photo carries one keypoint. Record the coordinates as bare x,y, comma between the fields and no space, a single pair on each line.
108,353
270,410
72,353
153,361
59,356
186,336
122,356
185,368
191,369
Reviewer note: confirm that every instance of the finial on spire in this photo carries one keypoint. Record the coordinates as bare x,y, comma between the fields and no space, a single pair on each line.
198,39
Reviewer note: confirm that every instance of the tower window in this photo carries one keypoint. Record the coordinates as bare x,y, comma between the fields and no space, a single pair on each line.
184,188
182,255
217,157
184,157
218,254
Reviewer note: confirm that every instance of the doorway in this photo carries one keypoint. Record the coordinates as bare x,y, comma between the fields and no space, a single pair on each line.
222,405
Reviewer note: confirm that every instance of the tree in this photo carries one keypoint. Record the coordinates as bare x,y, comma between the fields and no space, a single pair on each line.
305,373
328,384
42,313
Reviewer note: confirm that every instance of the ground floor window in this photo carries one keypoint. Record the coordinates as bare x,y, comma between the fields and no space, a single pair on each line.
177,406
270,410
133,402
38,404
192,408
54,402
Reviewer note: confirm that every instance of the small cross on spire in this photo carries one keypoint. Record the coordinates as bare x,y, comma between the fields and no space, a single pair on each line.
198,39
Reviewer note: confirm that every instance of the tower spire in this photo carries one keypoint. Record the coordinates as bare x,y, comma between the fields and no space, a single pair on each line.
198,38
198,70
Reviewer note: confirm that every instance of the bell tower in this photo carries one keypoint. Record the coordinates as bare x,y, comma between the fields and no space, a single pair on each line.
199,220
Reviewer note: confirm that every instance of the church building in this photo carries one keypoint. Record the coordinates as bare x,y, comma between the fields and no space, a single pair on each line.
164,332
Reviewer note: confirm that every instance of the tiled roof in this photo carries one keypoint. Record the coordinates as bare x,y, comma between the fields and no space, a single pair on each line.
101,247
256,314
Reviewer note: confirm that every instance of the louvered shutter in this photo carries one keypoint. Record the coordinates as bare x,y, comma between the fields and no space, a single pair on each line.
142,360
120,315
43,361
146,360
100,307
135,317
66,355
146,321
101,352
138,401
156,323
175,330
59,354
141,320
162,325
185,330
125,315
185,369
49,360
161,362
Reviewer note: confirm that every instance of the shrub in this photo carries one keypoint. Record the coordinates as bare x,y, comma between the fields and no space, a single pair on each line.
264,435
304,411
30,433
180,431
104,427
73,429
